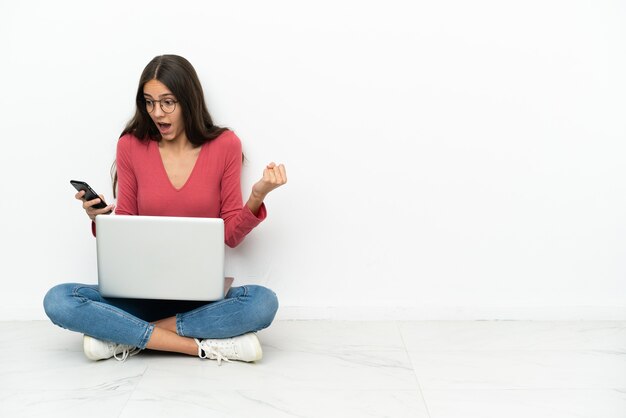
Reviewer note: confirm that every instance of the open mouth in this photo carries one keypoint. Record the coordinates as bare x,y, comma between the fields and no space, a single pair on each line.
164,127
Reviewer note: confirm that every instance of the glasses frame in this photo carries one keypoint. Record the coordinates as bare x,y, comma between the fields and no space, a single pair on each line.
160,102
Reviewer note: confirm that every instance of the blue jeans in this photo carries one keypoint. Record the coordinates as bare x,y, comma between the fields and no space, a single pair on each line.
81,308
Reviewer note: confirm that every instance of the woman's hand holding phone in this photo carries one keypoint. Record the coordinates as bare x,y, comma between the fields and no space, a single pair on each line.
88,206
93,203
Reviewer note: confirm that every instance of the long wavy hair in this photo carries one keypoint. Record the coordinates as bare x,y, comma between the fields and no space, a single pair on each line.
178,75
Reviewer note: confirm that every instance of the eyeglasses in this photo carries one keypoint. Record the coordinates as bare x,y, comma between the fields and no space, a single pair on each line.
167,105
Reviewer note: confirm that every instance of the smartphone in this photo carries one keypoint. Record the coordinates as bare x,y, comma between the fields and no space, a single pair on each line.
90,194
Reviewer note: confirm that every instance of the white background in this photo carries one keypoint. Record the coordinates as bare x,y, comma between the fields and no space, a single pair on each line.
446,159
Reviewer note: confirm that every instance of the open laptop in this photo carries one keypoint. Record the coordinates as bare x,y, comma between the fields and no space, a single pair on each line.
159,257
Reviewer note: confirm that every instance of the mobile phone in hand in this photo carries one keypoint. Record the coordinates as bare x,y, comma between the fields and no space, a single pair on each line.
90,194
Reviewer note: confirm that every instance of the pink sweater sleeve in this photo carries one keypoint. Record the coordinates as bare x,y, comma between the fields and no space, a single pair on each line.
238,218
126,180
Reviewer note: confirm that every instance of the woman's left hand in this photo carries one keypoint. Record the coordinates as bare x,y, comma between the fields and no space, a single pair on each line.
274,176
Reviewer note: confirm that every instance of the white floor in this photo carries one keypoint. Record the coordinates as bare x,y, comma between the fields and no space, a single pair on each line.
483,369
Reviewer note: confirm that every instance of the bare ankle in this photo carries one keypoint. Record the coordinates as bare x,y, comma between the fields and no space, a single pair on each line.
165,340
166,323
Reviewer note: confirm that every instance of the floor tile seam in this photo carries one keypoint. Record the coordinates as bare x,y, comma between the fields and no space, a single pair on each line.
419,386
130,395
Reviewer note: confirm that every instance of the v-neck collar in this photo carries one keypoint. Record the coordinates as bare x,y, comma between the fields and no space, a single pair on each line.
164,171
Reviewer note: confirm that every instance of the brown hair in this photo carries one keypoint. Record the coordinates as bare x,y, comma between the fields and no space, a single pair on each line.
180,77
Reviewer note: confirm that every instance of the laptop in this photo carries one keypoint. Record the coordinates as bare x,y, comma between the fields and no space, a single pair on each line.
161,257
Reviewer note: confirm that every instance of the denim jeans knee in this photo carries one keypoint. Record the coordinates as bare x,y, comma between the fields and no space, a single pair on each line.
264,309
57,303
81,308
245,309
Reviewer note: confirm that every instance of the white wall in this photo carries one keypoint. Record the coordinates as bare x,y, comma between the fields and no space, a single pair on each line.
446,159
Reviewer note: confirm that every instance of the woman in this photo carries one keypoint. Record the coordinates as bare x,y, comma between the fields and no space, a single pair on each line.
172,161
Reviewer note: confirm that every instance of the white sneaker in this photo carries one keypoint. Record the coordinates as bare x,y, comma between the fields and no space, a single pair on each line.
243,348
95,349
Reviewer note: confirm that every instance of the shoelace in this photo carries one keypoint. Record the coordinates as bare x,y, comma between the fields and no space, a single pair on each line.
126,352
212,351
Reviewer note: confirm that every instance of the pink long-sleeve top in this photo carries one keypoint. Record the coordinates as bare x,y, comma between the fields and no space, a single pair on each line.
212,190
